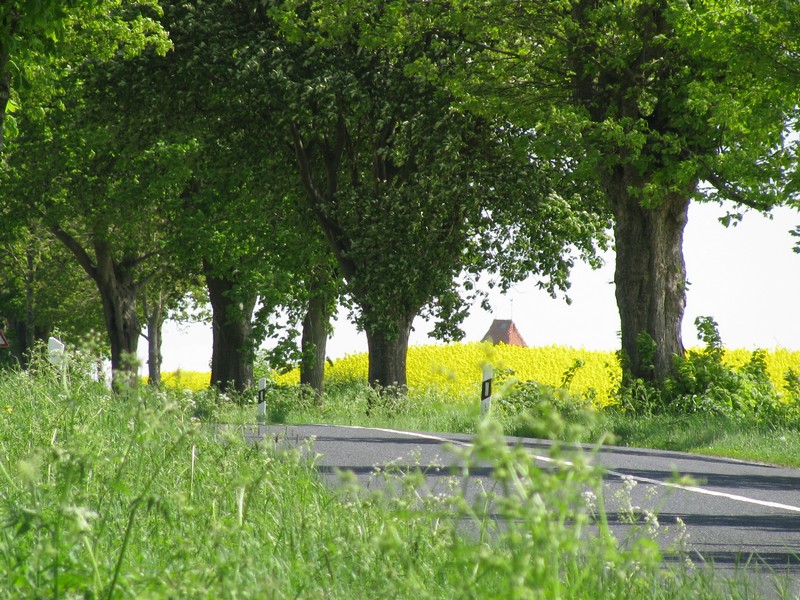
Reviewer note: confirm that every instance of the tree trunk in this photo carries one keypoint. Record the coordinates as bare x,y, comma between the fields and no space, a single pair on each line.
25,332
119,294
650,278
154,314
21,349
18,332
387,356
231,355
30,296
5,92
122,323
313,344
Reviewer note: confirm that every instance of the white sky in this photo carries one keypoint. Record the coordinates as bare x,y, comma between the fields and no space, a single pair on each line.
746,277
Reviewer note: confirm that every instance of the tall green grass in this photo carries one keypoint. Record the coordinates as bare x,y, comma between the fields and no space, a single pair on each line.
129,496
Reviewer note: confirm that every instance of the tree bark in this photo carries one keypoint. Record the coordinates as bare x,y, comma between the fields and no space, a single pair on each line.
26,334
25,331
154,314
30,296
21,350
119,294
650,276
313,343
231,355
122,323
387,355
5,92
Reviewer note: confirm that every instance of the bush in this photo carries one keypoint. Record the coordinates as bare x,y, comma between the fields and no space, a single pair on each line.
705,382
532,409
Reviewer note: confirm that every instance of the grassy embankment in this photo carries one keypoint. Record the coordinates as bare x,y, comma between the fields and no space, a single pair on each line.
444,388
108,496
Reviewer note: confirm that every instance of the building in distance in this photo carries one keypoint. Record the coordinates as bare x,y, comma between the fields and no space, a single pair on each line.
506,332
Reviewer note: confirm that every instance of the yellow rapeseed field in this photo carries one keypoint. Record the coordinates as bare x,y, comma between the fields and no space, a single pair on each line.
779,361
455,369
186,380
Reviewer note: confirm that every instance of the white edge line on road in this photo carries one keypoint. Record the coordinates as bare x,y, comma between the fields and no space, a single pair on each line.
688,488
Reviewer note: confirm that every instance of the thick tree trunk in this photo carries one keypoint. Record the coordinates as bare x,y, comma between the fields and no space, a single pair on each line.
154,313
25,336
387,356
122,323
313,343
119,294
25,332
650,278
231,355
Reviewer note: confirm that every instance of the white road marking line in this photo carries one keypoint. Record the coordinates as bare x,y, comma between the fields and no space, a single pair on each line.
688,488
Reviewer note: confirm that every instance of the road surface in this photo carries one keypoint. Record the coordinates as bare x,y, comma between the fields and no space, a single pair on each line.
736,513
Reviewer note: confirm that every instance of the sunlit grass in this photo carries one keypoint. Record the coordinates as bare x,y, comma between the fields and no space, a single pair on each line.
117,496
714,435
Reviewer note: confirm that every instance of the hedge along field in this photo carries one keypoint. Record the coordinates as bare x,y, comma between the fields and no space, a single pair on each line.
779,362
455,369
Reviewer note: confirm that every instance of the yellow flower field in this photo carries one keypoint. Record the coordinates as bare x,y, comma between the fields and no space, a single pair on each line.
779,361
455,369
186,380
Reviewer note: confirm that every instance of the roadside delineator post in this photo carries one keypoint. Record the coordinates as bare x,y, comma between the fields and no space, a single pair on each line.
262,400
486,389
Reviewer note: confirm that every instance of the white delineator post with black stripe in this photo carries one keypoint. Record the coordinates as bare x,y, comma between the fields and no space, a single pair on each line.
486,389
262,400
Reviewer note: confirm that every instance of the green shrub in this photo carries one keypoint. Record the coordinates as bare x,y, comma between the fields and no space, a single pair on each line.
705,383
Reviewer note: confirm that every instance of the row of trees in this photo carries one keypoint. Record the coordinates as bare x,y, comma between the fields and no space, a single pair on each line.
282,158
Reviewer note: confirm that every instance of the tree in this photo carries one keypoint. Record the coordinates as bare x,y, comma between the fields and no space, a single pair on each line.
408,187
26,27
42,290
66,161
194,236
114,232
657,102
104,203
239,215
170,294
36,33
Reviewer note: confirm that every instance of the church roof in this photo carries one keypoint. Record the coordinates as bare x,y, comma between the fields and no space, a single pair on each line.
504,330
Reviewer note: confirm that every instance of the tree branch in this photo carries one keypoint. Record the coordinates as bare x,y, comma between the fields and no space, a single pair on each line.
333,231
731,192
133,261
77,250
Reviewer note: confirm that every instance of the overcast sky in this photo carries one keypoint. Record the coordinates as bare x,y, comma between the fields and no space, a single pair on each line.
746,277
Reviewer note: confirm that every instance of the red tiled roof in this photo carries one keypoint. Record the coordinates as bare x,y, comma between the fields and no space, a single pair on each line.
504,330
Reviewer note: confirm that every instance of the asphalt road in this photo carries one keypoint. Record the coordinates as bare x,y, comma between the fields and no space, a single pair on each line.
738,513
